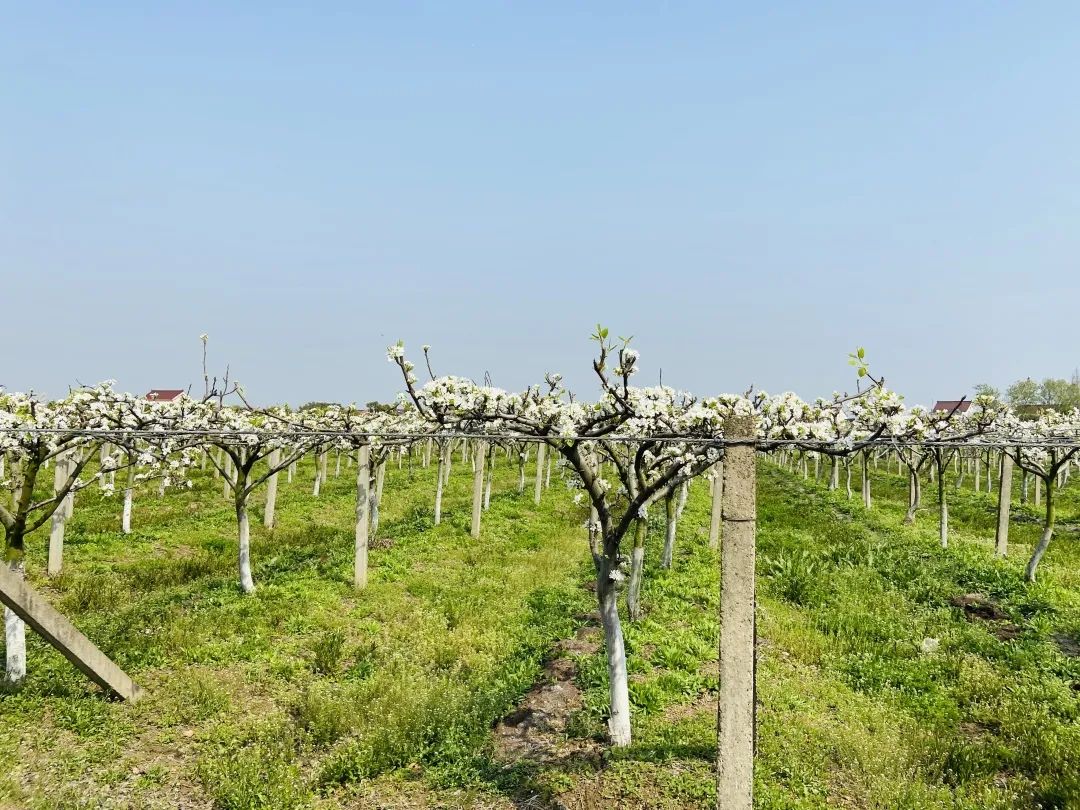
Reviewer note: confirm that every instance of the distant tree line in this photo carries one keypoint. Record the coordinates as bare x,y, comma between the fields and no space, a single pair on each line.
1057,393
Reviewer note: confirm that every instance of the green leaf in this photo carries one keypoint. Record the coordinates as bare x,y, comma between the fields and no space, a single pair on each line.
862,352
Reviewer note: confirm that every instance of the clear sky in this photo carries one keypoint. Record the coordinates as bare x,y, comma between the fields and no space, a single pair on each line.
751,190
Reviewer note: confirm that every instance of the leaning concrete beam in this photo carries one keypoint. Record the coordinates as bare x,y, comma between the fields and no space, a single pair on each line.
28,605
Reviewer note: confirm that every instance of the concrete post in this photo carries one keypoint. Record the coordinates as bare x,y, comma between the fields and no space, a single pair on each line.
735,717
541,455
60,516
363,483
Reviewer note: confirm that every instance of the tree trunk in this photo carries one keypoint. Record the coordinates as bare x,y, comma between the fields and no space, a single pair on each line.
717,504
847,469
684,496
866,499
479,462
15,633
914,495
129,497
637,569
363,482
1001,536
521,472
618,685
490,474
1048,533
669,536
439,475
943,510
271,491
247,584
547,473
380,481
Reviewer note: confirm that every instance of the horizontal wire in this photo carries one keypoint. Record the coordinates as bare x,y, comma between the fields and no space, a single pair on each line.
850,445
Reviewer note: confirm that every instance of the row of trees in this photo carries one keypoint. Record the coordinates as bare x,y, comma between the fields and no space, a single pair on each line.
628,450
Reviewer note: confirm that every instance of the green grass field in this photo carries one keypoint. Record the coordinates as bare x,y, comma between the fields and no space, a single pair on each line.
309,694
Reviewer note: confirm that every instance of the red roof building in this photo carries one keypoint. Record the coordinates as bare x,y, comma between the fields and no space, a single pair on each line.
164,394
950,405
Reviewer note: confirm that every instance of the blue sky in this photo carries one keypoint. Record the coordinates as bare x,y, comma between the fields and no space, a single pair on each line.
751,191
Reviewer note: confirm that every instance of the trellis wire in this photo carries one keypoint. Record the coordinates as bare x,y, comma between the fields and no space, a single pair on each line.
975,442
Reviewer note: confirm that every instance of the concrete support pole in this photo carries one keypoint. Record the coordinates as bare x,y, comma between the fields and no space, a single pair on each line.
363,484
60,516
1001,537
541,456
44,619
735,716
479,462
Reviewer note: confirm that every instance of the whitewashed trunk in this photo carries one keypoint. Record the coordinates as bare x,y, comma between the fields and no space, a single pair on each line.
684,495
490,474
614,647
439,475
715,519
271,490
671,514
125,521
866,483
1001,535
637,569
15,635
247,584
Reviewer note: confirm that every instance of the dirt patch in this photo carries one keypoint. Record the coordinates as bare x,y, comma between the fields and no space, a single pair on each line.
704,703
977,606
536,730
1067,644
974,730
383,543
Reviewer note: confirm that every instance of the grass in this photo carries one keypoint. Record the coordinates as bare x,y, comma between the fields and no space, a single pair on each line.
311,694
279,699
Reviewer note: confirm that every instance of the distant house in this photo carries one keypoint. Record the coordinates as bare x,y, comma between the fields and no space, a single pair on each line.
950,405
164,394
